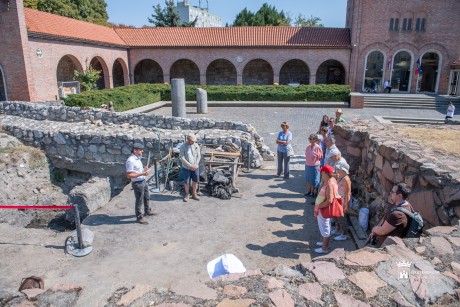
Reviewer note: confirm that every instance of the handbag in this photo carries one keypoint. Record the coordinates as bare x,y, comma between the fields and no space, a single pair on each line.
290,151
335,208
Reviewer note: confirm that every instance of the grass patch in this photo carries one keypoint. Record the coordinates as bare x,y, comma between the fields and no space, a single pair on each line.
443,139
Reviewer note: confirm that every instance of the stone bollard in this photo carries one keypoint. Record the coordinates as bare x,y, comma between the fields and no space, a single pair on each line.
201,101
178,97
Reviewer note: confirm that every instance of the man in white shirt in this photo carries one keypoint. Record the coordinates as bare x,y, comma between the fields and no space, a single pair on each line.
450,111
387,86
137,173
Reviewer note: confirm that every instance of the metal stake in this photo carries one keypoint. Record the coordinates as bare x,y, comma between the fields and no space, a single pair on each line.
78,226
248,168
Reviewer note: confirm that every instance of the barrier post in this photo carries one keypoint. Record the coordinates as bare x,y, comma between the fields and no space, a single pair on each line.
78,226
248,169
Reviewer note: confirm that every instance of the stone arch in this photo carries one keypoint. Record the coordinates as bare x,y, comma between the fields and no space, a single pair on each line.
295,71
99,64
148,71
258,72
373,69
3,93
221,72
119,73
430,71
401,75
187,70
330,72
66,67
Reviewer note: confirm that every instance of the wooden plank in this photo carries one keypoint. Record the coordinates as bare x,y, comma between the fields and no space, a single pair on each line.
359,232
223,153
360,243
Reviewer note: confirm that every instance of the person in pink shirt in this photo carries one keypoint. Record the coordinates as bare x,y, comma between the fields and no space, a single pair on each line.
313,156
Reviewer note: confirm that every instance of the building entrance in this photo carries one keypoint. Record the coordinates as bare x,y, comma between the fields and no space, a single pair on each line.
2,86
400,77
429,72
454,84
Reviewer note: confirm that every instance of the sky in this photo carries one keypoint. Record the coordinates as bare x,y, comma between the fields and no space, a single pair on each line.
136,12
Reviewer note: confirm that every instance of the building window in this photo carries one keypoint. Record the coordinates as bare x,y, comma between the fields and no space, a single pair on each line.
417,24
409,24
404,25
396,24
422,26
391,24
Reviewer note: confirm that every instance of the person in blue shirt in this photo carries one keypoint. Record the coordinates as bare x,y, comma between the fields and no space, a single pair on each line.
284,150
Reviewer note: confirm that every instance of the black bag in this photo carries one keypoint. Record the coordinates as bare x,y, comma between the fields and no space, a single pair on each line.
414,223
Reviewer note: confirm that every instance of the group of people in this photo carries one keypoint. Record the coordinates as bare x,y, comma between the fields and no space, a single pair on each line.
327,178
326,174
190,156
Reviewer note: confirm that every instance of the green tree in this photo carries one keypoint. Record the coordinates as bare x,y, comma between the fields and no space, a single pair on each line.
168,16
88,79
87,10
267,15
302,21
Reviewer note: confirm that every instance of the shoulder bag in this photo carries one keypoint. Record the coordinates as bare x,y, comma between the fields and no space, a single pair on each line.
335,209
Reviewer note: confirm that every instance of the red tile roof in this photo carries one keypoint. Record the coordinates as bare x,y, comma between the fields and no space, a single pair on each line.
63,27
236,37
67,28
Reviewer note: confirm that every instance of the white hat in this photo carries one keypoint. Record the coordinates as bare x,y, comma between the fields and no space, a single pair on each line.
224,265
343,166
334,151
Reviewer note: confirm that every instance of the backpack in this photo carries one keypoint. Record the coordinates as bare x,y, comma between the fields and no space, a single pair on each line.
414,223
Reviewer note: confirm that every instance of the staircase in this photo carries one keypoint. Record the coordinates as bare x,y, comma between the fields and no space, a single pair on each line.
408,101
408,120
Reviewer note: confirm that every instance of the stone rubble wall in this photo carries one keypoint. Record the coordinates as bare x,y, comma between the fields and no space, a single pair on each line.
99,142
379,156
38,111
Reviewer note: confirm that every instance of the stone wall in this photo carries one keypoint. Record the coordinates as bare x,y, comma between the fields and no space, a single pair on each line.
98,142
380,155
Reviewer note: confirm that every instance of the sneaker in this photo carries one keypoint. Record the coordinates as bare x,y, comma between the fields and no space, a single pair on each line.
186,198
313,195
150,213
320,250
307,194
195,197
142,221
341,238
335,232
319,243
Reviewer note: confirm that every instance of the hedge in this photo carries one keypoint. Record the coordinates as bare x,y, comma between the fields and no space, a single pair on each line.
124,97
133,96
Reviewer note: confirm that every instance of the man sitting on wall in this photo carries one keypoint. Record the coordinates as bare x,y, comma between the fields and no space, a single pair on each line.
394,223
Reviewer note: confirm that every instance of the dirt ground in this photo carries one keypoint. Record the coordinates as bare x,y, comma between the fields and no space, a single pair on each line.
269,222
444,139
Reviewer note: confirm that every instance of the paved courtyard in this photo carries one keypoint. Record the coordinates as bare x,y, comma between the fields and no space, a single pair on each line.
303,121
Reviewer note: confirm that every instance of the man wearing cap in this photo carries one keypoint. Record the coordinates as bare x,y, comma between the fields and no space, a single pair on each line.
190,158
137,172
338,116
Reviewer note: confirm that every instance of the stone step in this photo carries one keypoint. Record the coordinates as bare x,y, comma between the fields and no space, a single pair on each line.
399,106
409,120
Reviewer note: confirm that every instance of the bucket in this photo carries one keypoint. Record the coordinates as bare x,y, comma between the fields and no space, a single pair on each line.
363,218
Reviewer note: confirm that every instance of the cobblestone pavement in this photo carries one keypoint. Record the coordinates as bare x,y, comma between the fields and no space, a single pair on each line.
303,121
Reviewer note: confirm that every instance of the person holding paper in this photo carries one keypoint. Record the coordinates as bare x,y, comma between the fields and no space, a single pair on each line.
137,173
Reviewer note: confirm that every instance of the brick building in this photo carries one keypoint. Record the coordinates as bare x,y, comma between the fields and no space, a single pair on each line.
383,40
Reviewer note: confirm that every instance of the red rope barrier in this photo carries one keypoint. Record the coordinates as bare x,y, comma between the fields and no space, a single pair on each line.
37,207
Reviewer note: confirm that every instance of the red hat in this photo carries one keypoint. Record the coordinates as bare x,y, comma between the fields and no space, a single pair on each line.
327,169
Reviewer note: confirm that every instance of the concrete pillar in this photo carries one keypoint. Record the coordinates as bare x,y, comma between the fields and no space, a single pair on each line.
202,79
178,97
239,79
312,79
201,101
276,78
